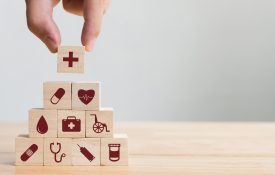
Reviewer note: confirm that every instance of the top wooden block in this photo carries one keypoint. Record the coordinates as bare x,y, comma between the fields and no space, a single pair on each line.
70,59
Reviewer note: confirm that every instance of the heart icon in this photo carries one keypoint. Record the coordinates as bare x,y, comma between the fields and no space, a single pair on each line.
86,96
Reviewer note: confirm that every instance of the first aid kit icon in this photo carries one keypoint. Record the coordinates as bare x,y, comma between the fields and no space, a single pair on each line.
71,124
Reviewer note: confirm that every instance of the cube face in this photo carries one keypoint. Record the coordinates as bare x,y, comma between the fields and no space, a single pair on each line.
114,151
86,151
28,151
42,123
71,123
70,59
99,123
57,95
57,151
86,96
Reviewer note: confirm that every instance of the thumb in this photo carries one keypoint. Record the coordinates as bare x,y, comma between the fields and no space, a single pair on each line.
92,12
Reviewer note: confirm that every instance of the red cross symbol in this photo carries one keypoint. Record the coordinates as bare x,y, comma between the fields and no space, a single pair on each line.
71,125
70,59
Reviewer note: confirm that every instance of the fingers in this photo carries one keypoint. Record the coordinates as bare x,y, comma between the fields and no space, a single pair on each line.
76,6
40,22
93,11
73,6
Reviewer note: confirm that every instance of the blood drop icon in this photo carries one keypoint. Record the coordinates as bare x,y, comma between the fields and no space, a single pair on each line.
42,126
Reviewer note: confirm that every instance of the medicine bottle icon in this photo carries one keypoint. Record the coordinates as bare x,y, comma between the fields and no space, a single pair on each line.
114,152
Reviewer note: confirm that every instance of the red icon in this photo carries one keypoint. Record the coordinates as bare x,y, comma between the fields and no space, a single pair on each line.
98,127
42,126
70,59
86,153
86,96
114,152
56,152
29,152
57,96
71,124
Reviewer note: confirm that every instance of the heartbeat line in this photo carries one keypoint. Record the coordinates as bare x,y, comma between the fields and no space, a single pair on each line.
85,97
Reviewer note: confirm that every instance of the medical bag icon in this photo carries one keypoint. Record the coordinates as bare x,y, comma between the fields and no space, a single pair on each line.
71,124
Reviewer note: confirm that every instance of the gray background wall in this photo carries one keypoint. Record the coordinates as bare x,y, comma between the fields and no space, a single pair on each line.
156,59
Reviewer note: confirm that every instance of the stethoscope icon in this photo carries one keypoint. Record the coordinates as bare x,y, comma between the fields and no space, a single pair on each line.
56,152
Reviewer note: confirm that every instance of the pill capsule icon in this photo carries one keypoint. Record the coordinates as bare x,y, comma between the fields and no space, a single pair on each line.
57,95
29,152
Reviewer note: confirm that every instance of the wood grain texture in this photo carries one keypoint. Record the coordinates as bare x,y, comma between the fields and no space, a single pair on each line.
104,125
68,116
114,151
50,117
78,52
163,148
93,103
65,149
22,147
92,145
49,90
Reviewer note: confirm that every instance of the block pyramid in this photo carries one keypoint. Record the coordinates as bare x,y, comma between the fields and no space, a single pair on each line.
71,128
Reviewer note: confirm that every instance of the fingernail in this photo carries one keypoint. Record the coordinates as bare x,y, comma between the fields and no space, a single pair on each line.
89,47
51,44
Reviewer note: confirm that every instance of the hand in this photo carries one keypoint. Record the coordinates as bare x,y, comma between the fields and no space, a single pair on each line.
41,23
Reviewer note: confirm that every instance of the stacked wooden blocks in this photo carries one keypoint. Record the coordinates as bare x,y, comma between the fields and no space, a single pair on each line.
71,129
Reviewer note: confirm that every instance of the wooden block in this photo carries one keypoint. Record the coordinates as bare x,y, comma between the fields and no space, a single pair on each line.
114,151
28,151
86,151
70,59
71,123
99,123
42,123
57,151
57,95
86,96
